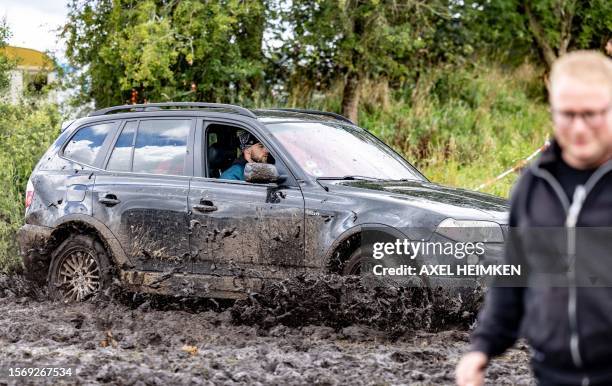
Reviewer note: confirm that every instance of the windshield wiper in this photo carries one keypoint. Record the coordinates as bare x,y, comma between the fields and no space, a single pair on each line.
361,178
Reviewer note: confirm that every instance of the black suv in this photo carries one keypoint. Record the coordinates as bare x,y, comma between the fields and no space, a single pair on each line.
134,193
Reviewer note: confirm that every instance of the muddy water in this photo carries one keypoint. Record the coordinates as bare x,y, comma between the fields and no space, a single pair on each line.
285,335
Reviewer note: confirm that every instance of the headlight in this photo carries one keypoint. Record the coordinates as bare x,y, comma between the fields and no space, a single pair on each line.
471,231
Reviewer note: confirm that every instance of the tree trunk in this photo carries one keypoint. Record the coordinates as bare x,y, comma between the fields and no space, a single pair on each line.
566,12
538,33
350,97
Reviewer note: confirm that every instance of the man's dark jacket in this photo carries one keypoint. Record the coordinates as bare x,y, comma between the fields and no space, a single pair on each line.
568,324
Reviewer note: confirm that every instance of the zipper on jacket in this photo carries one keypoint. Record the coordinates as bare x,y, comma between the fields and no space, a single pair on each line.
570,224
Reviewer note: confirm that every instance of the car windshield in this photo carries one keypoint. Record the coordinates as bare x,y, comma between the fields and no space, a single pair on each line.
329,150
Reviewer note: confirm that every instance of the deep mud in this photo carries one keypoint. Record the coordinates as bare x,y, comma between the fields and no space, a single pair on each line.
341,301
303,331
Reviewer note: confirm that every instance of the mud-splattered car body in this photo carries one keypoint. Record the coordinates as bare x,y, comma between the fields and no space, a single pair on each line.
187,233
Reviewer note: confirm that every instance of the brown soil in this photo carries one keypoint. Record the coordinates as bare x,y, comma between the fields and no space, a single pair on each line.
307,330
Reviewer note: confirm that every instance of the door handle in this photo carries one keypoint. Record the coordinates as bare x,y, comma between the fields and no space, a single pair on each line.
205,206
109,200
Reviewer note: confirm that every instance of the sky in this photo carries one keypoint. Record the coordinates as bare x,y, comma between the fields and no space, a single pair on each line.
33,23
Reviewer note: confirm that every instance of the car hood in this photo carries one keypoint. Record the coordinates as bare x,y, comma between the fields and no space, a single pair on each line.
447,201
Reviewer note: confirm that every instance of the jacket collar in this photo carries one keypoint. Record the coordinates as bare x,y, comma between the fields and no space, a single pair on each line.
544,164
552,155
240,161
549,157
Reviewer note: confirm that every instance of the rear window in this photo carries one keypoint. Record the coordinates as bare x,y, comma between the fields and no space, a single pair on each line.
161,146
85,145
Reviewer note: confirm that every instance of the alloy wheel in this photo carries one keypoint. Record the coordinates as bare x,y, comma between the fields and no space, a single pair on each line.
78,275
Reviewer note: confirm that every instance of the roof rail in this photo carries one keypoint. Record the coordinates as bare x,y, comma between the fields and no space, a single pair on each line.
158,106
317,112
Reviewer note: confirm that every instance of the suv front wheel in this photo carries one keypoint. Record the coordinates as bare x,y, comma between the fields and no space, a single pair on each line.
361,264
80,269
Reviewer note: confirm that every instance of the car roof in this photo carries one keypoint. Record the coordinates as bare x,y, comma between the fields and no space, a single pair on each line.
269,115
284,115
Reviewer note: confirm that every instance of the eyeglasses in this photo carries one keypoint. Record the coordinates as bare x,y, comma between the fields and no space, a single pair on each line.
591,117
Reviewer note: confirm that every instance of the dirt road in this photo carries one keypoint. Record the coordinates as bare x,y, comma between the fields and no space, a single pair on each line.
148,342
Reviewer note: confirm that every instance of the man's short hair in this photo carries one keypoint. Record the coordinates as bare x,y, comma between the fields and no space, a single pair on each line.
590,67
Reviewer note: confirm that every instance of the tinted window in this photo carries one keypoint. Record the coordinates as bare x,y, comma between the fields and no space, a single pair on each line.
161,146
121,157
85,145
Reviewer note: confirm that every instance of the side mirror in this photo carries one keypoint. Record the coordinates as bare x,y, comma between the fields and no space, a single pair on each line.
261,173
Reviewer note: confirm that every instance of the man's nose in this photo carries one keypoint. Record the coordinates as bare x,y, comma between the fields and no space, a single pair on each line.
578,124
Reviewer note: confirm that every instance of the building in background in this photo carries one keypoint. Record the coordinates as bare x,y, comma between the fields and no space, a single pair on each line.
33,71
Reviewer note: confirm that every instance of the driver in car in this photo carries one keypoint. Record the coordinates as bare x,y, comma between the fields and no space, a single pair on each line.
252,151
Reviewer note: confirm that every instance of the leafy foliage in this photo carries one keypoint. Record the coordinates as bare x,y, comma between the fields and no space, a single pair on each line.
515,30
5,63
353,40
26,131
166,50
371,37
291,51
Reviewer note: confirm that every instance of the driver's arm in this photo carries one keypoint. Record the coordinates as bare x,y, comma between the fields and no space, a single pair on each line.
234,172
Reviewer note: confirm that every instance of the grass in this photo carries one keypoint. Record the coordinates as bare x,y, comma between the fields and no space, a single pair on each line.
460,128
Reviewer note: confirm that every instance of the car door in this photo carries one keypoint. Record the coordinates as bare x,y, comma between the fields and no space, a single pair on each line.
241,228
142,195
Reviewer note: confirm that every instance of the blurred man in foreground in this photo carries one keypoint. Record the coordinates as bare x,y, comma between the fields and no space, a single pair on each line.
568,327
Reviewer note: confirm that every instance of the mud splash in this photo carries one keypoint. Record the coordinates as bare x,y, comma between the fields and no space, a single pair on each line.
19,287
341,301
134,339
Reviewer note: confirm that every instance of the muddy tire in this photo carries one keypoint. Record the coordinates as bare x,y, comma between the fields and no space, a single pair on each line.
356,263
80,269
359,265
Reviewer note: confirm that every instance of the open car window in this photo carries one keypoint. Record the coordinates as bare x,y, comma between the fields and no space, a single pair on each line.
223,148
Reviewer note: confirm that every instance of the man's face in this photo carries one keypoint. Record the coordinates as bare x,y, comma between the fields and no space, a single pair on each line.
582,121
257,153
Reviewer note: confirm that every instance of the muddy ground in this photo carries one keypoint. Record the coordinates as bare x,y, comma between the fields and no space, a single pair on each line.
307,330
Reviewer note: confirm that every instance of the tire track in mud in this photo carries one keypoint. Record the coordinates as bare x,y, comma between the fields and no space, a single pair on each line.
137,339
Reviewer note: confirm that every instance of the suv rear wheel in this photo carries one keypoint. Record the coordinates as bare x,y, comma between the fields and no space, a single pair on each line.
80,269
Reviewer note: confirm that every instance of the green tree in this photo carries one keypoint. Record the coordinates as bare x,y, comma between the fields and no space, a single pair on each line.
5,63
166,50
356,39
542,30
26,131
